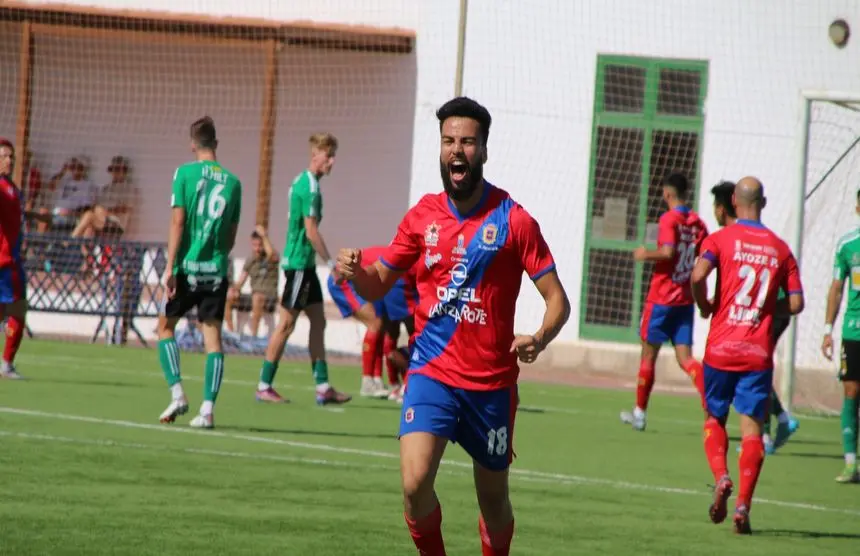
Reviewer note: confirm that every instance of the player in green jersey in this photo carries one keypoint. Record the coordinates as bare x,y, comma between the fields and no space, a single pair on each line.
302,290
724,212
206,203
846,266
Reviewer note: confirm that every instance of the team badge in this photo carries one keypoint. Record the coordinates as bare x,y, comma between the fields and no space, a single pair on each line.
460,248
490,233
431,234
409,415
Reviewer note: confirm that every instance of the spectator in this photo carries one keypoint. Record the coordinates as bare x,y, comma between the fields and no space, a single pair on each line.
74,193
262,268
32,183
113,205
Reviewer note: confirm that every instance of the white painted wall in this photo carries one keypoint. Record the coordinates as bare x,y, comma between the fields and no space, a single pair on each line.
532,63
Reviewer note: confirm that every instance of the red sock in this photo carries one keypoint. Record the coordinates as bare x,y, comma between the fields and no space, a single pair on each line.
495,543
696,373
645,384
388,347
368,353
427,533
14,334
716,446
749,465
378,357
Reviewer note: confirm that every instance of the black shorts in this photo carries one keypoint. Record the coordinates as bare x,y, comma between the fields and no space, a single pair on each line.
301,289
207,295
780,325
850,367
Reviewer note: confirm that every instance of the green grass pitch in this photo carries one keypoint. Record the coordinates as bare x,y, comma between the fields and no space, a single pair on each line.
85,468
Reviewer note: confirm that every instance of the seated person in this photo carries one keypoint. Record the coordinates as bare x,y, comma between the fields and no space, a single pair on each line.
262,268
74,193
112,209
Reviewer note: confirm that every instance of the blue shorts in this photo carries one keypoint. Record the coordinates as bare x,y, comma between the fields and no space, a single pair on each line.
749,391
347,299
400,301
12,284
667,323
482,422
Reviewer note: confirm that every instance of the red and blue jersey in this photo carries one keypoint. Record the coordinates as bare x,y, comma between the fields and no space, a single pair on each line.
752,264
469,269
370,255
11,223
682,229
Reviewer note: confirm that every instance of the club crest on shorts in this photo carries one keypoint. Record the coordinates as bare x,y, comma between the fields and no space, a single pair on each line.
409,416
489,234
431,234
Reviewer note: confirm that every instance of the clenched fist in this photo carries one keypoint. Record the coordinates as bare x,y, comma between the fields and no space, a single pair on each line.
348,264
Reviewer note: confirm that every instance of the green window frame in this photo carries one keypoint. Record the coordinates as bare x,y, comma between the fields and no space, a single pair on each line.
652,111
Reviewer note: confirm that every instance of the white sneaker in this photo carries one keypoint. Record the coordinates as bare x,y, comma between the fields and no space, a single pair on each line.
395,393
176,408
379,389
11,373
367,387
202,422
630,418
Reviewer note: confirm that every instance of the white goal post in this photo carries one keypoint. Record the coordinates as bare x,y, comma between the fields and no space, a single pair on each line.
828,155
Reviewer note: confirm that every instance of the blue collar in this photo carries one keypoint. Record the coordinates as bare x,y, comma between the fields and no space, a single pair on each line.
751,223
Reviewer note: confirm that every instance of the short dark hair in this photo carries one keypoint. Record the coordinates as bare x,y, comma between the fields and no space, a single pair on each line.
464,107
677,181
723,192
255,235
203,133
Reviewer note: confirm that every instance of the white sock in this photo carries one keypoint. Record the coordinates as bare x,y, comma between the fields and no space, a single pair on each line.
638,413
5,366
263,386
206,407
322,388
177,392
783,417
850,459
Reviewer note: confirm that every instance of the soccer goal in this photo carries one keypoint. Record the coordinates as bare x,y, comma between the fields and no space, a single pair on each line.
829,168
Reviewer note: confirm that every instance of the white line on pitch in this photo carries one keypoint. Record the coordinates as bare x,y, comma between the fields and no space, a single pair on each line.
520,473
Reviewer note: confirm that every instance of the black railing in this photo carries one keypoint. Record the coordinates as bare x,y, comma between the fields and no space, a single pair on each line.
100,277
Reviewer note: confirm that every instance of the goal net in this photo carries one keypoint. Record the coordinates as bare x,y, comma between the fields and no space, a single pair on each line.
106,114
832,166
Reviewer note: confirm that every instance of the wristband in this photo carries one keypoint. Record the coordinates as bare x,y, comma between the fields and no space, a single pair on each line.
828,329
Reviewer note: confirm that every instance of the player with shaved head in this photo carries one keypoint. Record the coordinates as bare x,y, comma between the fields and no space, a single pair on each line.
752,264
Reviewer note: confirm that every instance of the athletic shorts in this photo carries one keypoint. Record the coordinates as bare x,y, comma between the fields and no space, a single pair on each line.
748,391
301,289
347,299
400,301
482,422
667,323
13,283
780,325
245,303
208,295
849,369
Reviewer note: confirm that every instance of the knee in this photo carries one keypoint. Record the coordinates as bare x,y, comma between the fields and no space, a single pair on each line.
287,324
375,325
493,497
417,482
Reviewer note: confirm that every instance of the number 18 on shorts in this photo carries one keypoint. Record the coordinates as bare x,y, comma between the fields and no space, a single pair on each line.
482,422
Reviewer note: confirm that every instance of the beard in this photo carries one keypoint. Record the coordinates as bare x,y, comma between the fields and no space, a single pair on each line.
463,189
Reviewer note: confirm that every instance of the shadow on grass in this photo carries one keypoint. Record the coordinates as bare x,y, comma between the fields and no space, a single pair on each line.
804,534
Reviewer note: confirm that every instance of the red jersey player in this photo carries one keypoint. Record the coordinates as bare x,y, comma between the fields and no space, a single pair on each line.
472,243
752,264
668,312
13,299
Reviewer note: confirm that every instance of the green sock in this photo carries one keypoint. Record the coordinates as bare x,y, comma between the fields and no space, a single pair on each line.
320,369
214,375
267,373
849,426
168,355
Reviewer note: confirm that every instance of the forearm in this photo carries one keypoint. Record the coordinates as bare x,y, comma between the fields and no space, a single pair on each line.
658,256
267,247
316,239
369,285
554,318
834,300
173,240
700,295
